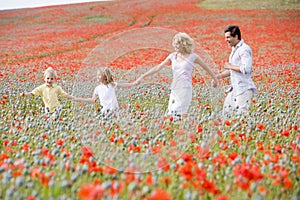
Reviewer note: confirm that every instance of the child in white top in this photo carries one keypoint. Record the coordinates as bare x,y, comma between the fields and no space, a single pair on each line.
105,91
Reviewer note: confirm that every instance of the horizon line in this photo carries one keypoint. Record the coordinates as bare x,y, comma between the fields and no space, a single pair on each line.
15,4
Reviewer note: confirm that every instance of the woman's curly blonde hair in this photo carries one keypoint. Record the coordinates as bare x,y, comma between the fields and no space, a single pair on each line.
185,41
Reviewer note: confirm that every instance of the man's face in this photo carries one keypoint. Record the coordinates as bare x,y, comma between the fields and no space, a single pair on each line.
232,41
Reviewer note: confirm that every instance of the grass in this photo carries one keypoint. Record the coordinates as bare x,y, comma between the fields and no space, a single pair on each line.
98,18
250,4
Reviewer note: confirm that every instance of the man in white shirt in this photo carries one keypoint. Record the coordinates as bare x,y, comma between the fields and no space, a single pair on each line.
239,68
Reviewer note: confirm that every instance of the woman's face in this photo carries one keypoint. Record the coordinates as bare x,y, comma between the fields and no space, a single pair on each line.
177,47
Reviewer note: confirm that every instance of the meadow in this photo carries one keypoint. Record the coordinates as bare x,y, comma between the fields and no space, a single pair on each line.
143,154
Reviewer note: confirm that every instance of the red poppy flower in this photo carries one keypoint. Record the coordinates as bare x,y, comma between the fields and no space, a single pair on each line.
91,192
159,194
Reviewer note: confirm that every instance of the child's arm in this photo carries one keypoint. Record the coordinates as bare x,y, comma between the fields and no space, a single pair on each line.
206,68
70,96
87,100
25,94
35,91
64,93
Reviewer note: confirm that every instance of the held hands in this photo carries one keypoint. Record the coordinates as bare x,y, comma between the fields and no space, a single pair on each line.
135,83
227,65
219,76
215,82
138,81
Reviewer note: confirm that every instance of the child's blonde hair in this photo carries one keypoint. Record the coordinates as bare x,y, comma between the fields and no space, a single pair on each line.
185,41
106,75
51,71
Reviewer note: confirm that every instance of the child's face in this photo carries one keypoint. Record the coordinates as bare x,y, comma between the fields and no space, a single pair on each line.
99,76
49,79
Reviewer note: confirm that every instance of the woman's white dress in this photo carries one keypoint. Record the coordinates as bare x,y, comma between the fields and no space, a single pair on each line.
181,88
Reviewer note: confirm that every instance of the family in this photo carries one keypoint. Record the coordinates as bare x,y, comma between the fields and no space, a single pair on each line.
183,60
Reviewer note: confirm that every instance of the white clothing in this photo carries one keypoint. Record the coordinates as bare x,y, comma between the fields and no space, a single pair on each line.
237,104
107,97
241,56
181,87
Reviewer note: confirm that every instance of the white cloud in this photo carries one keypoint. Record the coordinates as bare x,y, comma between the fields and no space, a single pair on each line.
18,4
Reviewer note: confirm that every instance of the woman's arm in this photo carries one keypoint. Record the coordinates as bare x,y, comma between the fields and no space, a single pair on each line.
206,68
153,70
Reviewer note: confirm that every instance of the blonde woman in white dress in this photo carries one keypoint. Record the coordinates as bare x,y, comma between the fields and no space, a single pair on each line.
183,61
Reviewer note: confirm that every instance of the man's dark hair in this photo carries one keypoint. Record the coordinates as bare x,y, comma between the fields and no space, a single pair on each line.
234,30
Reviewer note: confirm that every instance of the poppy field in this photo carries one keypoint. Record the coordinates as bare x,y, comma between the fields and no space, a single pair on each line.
143,154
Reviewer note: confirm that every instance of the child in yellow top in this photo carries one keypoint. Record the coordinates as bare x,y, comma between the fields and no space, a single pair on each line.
49,91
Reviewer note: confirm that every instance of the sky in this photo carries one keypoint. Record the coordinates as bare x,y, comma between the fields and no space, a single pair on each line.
18,4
